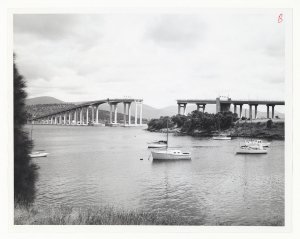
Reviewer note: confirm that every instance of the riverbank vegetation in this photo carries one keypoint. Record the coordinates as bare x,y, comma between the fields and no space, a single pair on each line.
64,215
195,121
25,171
205,124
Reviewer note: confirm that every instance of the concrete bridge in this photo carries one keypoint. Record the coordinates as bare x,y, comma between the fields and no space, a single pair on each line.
79,114
223,104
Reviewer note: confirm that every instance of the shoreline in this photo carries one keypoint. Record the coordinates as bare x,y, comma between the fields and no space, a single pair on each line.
260,129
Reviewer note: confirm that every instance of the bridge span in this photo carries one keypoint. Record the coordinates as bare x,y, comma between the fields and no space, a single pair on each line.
79,114
223,104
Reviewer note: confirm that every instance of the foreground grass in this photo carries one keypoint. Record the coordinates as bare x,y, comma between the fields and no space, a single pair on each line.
93,216
64,215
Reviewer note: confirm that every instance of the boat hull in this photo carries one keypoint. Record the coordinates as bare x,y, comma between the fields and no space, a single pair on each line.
221,138
38,155
153,146
251,151
163,155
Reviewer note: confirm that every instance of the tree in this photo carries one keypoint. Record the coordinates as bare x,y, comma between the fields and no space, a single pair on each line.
25,171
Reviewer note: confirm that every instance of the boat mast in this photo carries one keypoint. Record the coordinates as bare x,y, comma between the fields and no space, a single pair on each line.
167,132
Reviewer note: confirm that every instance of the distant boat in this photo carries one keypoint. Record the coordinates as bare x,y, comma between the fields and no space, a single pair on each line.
259,149
170,154
158,144
252,146
221,137
38,154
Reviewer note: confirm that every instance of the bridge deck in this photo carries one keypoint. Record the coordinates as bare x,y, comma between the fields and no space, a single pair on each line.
90,103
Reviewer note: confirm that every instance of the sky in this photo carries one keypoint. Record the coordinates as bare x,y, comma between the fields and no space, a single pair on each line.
156,57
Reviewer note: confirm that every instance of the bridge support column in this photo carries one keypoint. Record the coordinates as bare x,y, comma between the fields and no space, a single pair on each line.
234,108
87,115
60,119
241,111
93,114
65,118
273,112
110,113
97,114
255,112
141,113
179,108
124,113
268,111
129,113
70,115
80,116
116,113
184,109
55,119
75,117
250,111
136,109
198,107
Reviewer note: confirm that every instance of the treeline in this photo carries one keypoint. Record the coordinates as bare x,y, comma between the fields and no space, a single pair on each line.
196,120
44,109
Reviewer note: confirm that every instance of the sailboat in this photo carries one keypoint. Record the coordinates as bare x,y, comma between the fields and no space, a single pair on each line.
36,154
170,154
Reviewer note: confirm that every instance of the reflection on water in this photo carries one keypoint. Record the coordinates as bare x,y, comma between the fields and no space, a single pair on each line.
94,166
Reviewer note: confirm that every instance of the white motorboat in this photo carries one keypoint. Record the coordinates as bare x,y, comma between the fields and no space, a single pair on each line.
38,154
251,143
158,144
170,154
256,149
220,137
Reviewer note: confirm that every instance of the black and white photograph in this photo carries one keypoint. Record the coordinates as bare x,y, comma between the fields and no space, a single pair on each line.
151,118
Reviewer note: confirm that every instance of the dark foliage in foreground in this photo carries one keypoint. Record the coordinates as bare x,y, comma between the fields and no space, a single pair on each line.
196,121
25,172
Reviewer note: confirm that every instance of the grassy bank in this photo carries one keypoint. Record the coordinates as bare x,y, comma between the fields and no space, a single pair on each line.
64,215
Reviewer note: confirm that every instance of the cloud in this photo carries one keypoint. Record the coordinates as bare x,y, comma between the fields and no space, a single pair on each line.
177,31
159,58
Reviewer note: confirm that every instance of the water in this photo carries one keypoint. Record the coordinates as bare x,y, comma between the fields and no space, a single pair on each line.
95,166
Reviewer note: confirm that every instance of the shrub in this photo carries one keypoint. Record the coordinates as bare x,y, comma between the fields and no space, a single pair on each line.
25,172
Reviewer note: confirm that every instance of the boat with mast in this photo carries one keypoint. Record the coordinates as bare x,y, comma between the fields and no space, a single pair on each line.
170,154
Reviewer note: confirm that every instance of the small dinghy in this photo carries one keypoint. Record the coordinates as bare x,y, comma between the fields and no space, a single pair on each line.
158,144
38,154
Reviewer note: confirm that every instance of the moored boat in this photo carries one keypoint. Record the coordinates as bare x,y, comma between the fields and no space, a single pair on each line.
220,137
170,154
255,149
38,154
158,144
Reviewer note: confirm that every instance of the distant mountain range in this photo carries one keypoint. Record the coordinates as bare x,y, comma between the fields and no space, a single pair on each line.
149,112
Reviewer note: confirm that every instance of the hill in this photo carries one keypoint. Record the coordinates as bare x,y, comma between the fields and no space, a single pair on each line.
43,100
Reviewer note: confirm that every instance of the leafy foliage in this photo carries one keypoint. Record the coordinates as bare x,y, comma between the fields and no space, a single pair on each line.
196,121
25,171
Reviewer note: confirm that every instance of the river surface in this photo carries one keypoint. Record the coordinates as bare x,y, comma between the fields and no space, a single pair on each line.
100,166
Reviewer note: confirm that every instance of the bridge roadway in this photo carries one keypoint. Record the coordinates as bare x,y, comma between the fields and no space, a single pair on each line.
75,115
224,105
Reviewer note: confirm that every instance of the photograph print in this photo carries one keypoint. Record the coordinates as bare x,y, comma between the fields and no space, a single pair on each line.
150,118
